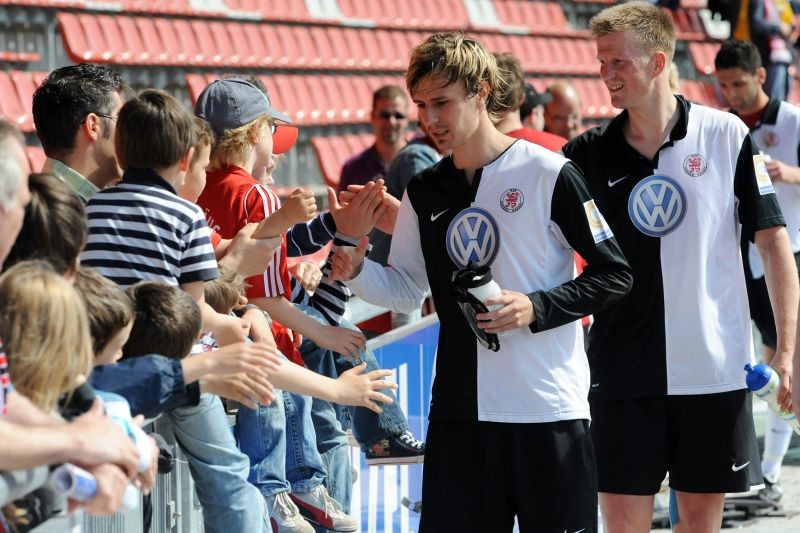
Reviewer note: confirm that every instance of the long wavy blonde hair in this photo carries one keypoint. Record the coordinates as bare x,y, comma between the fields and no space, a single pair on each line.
45,329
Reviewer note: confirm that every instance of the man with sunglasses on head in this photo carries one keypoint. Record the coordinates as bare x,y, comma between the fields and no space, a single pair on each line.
389,122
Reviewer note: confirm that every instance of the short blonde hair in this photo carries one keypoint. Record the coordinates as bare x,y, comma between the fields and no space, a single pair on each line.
233,147
454,57
222,293
45,328
651,26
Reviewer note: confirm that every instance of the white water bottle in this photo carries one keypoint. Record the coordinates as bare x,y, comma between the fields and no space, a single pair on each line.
483,286
763,381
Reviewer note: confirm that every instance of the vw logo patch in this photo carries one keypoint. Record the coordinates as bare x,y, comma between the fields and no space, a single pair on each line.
473,237
695,165
657,205
512,200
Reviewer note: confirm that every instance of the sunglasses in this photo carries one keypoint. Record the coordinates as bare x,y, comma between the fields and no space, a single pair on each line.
99,115
386,115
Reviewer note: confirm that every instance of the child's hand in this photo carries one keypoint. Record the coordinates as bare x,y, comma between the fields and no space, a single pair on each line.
346,342
357,218
300,206
308,275
253,358
361,389
248,390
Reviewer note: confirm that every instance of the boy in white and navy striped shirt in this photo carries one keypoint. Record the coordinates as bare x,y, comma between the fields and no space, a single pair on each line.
140,229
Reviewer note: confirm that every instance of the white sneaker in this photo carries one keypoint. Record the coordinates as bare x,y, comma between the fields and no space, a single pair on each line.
320,508
284,516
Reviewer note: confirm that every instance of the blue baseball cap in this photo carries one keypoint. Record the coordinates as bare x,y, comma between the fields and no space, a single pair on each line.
233,102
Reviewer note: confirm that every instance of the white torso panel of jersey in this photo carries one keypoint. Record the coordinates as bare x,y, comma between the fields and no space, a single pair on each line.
706,310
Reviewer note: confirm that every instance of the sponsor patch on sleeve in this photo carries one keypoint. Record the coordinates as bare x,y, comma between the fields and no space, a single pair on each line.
762,176
597,224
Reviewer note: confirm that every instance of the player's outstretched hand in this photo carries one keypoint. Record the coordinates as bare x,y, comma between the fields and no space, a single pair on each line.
517,312
359,389
347,261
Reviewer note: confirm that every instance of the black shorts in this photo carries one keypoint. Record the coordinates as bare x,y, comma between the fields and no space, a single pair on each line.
479,475
706,442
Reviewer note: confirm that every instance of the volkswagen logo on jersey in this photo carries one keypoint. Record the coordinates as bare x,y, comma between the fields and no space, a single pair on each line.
657,205
473,237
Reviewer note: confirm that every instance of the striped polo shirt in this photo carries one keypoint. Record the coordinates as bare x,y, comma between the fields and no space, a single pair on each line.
140,230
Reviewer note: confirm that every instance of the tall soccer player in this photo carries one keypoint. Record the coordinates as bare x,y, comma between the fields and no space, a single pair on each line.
677,182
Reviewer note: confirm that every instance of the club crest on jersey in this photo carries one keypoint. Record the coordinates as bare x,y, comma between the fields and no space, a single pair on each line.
600,230
770,139
512,200
695,165
473,237
657,205
762,175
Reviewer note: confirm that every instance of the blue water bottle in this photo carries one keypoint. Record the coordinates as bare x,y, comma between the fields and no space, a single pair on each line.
763,381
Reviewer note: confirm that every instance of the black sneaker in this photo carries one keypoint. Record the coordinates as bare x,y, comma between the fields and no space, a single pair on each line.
400,449
772,493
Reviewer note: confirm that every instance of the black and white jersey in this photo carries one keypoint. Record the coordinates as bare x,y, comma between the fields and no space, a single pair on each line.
778,135
685,326
529,208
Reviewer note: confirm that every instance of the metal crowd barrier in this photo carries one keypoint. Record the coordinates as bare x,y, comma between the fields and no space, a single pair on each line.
377,493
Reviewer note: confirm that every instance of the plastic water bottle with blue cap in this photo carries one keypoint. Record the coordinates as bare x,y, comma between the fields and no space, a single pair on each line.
764,382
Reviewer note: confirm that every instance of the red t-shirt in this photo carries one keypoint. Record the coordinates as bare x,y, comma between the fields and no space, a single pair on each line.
233,198
549,140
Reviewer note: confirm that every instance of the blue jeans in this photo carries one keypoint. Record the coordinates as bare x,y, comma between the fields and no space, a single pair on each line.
281,443
218,468
368,426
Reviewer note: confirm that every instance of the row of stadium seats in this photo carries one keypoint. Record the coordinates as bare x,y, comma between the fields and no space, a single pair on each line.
333,150
312,99
538,17
518,16
315,99
128,40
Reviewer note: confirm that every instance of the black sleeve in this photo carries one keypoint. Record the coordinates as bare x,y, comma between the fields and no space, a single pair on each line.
607,276
758,204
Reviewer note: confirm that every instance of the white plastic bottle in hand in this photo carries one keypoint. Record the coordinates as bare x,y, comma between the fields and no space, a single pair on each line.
483,286
77,484
764,382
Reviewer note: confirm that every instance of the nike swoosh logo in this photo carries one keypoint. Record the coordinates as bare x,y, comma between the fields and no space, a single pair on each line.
737,468
611,183
437,215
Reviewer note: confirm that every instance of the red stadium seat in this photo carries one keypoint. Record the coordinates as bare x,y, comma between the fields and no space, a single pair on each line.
25,85
76,46
703,55
12,56
36,157
10,105
541,18
688,25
